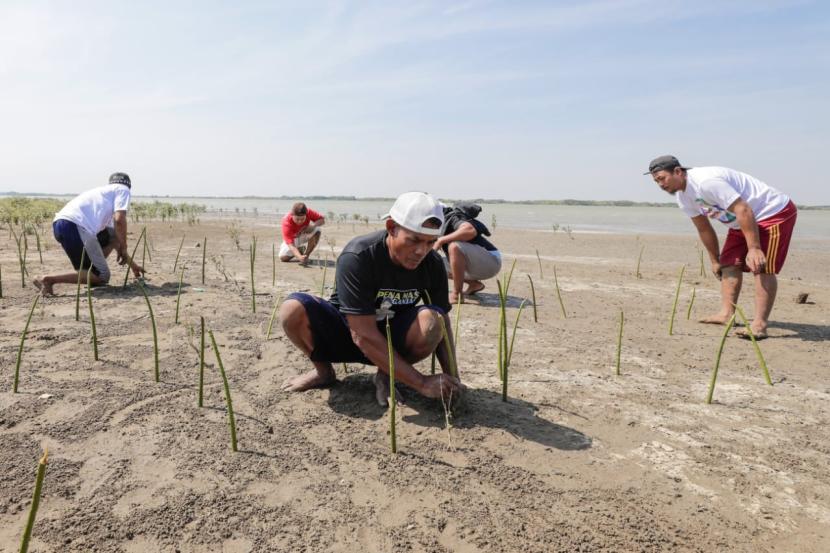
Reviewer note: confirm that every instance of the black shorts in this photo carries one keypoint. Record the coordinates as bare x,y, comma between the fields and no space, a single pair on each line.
333,339
66,233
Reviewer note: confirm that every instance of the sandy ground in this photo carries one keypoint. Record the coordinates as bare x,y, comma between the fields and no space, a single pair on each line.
578,460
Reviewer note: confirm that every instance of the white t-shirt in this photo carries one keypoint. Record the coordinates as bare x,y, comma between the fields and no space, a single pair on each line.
93,210
711,190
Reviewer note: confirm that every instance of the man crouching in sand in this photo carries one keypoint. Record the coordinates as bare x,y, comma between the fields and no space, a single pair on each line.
89,228
381,274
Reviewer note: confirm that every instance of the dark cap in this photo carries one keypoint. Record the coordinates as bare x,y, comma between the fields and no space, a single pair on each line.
121,178
663,163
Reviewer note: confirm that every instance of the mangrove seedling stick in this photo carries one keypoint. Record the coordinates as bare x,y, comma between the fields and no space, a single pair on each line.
510,352
91,313
155,334
448,345
533,296
23,341
391,386
228,401
1,281
639,259
676,297
717,359
761,360
559,294
179,251
691,303
202,362
323,285
253,288
273,265
204,251
135,249
179,296
429,302
702,269
457,321
502,348
273,315
509,278
78,289
539,259
30,523
37,238
619,340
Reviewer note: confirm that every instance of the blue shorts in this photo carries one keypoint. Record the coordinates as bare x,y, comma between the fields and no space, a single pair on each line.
66,233
333,339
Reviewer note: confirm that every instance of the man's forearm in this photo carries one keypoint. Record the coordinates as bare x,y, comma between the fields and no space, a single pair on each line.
749,227
121,234
709,238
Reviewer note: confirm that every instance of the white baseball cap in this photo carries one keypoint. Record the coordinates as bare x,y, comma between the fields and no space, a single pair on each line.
412,209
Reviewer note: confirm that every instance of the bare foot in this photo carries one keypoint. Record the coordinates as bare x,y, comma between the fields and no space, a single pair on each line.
760,334
719,319
381,381
44,286
312,379
454,298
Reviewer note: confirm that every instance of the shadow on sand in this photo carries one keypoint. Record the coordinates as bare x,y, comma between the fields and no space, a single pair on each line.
354,396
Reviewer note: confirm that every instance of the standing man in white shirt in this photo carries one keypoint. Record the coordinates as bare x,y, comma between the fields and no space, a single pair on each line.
760,220
91,226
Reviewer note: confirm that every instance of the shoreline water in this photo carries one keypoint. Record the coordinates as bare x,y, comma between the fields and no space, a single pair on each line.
599,219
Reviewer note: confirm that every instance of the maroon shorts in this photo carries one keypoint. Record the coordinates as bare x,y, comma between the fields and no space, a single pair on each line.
775,234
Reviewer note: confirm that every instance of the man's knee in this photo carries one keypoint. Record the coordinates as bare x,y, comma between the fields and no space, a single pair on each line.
292,315
430,326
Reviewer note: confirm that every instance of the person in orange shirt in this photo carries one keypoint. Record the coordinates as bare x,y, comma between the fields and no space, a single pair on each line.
300,233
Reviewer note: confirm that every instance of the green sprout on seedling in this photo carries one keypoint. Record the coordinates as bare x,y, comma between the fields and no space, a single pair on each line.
729,326
253,262
78,289
23,341
135,248
204,251
273,315
202,362
91,313
760,355
391,386
637,273
30,522
676,297
691,303
559,294
179,251
179,295
533,296
619,340
228,401
155,334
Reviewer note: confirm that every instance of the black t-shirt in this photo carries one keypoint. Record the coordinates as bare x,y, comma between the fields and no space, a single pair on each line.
368,283
453,221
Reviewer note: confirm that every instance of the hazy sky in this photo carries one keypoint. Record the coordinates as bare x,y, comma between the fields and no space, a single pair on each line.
491,99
